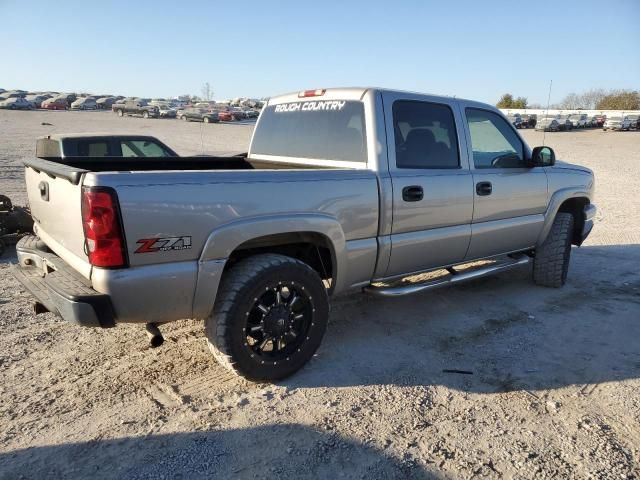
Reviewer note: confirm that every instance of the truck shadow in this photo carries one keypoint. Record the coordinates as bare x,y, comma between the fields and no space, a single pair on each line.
278,451
9,255
496,334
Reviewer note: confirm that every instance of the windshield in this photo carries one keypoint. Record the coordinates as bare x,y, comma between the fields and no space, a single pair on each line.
319,129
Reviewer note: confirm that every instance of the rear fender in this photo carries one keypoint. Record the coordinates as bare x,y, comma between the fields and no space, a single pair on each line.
224,240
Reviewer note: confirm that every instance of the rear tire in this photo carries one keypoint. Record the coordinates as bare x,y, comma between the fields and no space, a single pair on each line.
145,114
551,262
206,119
120,113
249,300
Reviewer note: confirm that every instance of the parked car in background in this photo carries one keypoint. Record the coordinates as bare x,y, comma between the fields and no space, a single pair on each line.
7,95
36,100
617,123
228,114
84,103
239,113
635,121
58,147
516,120
578,120
225,116
57,103
105,102
136,107
195,114
548,124
16,103
564,123
530,120
69,97
166,111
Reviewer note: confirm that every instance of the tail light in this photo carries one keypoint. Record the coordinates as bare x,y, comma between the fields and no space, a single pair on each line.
102,227
311,93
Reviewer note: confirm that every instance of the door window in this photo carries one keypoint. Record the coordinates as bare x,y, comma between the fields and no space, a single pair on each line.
494,143
425,135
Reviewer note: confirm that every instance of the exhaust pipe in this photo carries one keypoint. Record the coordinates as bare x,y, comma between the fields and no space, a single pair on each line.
155,337
39,308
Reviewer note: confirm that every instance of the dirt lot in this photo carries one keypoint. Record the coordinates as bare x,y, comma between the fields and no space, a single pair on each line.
554,390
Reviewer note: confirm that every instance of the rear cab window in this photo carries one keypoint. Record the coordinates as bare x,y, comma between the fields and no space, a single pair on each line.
332,130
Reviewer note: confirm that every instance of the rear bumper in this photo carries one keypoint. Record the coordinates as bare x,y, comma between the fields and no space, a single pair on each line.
59,288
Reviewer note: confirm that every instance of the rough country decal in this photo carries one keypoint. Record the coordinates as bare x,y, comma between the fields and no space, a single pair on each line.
150,245
336,105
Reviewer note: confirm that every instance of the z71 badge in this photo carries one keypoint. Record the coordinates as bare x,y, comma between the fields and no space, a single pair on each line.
150,245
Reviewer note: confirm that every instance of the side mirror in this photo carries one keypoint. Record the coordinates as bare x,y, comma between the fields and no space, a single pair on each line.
543,157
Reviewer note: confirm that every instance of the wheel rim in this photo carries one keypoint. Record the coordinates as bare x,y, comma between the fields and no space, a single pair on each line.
279,321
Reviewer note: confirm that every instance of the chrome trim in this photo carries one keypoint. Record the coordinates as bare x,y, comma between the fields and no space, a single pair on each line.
450,279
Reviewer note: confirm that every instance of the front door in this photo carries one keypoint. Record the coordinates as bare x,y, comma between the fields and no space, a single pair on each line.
510,198
432,184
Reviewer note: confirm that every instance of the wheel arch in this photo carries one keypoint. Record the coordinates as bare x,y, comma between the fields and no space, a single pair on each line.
570,200
316,239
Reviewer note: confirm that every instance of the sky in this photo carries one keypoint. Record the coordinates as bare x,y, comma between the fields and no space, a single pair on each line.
473,49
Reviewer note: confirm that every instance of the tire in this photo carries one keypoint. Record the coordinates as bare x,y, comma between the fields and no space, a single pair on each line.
120,113
184,117
551,262
206,119
2,247
145,114
242,300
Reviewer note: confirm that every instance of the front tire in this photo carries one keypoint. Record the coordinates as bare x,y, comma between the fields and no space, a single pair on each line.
120,113
551,262
269,317
206,119
145,114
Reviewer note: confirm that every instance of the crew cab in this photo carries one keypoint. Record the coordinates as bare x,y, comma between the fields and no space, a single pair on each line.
342,190
136,107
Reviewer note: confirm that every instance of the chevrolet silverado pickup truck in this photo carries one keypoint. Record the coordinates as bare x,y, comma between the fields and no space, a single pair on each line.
342,190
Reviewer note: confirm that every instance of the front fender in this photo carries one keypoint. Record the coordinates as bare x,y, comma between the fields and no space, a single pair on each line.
557,199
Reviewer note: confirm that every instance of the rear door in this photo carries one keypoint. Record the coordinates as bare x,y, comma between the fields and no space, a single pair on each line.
510,198
432,184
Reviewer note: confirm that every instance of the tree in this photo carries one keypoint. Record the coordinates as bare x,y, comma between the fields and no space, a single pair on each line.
207,93
592,97
520,102
506,101
620,100
572,101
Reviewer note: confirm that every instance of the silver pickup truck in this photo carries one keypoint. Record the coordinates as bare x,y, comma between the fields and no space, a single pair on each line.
342,190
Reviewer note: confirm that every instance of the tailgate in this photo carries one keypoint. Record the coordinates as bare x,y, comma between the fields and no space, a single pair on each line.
54,192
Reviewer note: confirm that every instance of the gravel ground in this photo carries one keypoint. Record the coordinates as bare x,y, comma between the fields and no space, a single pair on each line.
553,389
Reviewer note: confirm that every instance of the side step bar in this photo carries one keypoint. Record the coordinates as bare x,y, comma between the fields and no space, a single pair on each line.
453,277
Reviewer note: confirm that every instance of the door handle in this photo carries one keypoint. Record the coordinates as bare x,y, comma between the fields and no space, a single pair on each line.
484,188
414,193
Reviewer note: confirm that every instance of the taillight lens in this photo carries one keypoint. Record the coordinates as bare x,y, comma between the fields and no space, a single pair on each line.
102,229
